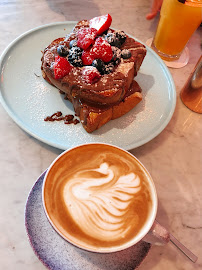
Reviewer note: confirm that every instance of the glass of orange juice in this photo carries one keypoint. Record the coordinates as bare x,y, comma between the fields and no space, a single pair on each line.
178,21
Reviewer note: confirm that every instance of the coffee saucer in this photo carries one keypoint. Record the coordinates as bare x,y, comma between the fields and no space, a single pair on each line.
57,254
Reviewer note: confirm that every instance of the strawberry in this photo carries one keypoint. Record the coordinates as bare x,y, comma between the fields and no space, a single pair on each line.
87,57
86,37
61,67
90,74
102,50
101,23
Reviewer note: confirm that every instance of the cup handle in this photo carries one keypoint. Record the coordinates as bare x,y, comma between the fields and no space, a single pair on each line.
158,235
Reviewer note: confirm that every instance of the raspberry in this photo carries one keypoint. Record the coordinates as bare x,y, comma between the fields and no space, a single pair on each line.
102,50
86,37
61,67
90,74
87,57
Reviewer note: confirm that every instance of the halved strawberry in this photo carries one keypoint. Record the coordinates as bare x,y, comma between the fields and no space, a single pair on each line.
61,67
101,23
87,57
102,50
90,74
86,37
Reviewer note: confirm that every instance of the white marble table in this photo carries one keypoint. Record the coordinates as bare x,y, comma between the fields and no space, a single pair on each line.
173,157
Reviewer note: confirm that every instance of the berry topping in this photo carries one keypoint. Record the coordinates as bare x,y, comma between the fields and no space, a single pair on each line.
72,43
90,74
87,57
116,58
125,54
61,67
86,37
100,65
62,50
108,68
121,36
102,50
74,56
113,40
101,23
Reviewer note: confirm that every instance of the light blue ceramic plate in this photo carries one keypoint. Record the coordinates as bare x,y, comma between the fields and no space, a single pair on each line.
28,99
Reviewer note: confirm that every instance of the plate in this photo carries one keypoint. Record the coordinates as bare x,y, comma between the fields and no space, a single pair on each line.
28,98
57,254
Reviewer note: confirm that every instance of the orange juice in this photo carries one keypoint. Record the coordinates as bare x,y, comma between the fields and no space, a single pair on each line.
177,23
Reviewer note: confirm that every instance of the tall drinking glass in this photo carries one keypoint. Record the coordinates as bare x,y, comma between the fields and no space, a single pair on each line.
178,21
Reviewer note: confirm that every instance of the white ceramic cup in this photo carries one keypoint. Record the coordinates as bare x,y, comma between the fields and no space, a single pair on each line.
101,198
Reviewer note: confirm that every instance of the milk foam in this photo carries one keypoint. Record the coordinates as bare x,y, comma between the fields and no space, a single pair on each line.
98,203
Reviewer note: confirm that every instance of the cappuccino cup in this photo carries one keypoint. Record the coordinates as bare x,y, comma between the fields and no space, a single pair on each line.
101,198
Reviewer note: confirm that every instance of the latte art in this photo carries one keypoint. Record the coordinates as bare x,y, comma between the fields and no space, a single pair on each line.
99,205
98,197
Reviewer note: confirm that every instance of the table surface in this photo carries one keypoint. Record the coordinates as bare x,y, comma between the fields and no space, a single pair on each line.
173,157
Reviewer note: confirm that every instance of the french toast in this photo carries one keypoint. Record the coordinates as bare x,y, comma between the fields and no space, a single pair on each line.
98,76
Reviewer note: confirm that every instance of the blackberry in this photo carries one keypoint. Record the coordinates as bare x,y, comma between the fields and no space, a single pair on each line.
108,68
100,65
72,43
121,36
125,54
62,50
74,56
76,51
116,58
112,40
